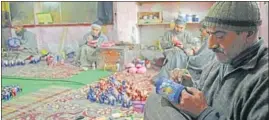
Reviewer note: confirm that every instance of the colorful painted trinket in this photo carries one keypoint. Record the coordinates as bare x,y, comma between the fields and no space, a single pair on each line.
169,89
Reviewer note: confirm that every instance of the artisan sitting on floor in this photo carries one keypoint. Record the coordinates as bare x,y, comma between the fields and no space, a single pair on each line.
235,85
178,41
93,39
28,42
179,38
194,63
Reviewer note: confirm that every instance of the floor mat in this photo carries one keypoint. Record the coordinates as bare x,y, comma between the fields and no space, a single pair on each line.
42,70
20,104
34,84
68,106
73,104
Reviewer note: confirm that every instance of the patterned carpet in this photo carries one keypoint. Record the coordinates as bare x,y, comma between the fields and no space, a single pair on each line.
70,105
67,106
41,70
22,103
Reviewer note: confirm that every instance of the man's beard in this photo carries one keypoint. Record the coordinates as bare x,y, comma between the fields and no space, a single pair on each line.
218,50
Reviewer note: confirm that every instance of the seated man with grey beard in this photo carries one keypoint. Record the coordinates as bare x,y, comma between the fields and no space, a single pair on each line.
234,86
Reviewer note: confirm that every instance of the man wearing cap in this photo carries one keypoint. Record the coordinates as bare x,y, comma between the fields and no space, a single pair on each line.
92,40
179,37
235,85
28,42
177,42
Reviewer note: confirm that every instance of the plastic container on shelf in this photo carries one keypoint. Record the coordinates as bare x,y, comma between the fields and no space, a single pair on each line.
197,19
194,18
188,18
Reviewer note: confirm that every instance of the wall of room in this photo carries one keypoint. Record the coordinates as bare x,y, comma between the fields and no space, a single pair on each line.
126,21
125,28
151,33
49,37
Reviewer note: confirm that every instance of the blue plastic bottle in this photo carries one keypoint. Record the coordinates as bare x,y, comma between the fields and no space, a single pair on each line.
169,89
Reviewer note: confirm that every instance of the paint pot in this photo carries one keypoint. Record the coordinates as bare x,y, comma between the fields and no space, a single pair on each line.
189,18
118,66
138,106
150,16
58,58
193,18
93,65
145,17
5,63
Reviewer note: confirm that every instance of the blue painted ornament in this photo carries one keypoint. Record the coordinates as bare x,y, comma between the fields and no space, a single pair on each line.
91,95
22,62
13,42
111,99
5,63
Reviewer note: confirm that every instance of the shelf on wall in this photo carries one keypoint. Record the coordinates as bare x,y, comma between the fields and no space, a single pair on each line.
152,2
164,23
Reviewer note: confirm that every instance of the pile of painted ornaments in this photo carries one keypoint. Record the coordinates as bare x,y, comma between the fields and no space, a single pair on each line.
55,72
54,60
138,66
9,92
12,63
115,92
20,62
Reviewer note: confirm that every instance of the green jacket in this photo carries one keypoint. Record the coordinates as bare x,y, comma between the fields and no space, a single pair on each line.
29,40
185,37
102,38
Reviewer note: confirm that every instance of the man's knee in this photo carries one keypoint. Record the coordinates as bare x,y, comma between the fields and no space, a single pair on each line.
84,48
159,108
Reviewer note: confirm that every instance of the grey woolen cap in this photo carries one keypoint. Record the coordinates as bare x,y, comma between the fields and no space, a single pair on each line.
234,16
180,21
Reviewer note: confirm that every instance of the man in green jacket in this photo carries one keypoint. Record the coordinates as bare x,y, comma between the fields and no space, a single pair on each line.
28,42
235,85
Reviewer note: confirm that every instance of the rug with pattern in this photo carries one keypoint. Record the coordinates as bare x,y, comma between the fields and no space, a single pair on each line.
42,70
73,104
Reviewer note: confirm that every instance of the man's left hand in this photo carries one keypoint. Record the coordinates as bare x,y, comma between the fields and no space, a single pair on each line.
193,101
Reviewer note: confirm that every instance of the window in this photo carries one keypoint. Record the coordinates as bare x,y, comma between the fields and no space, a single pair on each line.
79,12
54,8
62,12
23,11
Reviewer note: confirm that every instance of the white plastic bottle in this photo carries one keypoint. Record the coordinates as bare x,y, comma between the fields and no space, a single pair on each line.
93,66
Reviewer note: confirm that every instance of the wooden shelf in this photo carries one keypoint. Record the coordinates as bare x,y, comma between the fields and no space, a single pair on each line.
152,2
164,23
141,3
143,24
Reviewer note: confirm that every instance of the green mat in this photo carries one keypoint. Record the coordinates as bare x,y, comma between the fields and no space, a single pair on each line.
33,84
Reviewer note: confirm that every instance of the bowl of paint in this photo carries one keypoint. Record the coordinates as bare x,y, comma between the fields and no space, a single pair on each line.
138,106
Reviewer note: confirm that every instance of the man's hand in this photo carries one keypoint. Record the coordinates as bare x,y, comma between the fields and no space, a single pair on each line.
179,74
193,101
178,43
92,44
186,76
190,52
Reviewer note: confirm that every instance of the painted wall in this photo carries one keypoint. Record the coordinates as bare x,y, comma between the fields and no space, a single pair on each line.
170,10
125,28
126,17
